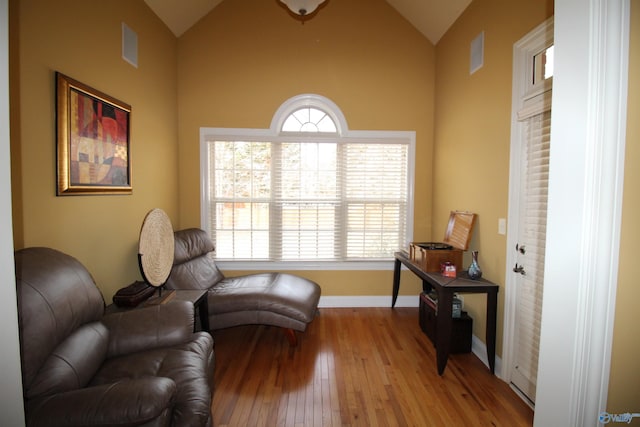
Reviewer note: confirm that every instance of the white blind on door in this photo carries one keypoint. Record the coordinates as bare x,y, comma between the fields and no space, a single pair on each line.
532,242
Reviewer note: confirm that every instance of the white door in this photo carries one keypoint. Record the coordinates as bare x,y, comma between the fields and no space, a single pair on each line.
531,128
529,253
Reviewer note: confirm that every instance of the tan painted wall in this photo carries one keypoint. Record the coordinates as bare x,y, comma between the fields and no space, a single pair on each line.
472,134
236,72
237,68
83,41
624,381
473,131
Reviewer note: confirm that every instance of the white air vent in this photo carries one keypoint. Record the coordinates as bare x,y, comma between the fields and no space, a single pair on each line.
129,45
477,53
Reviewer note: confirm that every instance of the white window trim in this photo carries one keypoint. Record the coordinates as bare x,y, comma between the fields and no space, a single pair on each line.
274,134
308,100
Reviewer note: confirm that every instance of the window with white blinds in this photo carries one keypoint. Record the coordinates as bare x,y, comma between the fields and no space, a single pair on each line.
306,200
306,193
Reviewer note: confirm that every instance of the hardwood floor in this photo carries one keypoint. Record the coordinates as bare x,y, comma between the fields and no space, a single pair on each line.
354,367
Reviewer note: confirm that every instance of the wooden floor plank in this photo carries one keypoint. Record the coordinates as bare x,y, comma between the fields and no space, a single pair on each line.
354,367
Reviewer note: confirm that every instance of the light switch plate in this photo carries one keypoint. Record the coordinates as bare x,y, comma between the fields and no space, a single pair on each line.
502,226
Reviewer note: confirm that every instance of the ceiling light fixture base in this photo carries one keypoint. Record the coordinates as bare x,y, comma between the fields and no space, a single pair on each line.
302,8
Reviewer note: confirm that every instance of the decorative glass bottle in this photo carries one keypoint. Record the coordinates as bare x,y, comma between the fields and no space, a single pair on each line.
474,269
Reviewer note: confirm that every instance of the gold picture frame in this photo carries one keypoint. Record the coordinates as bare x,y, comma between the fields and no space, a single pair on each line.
93,140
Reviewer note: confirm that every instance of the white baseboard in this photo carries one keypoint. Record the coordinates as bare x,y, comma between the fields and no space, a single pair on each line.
367,301
480,350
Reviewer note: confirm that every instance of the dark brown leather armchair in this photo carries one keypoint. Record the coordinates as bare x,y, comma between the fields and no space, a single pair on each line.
82,368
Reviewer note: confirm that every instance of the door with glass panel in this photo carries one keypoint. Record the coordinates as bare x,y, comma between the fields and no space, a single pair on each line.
528,206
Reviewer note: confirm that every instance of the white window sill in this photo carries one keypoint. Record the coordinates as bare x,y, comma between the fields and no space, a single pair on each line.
304,265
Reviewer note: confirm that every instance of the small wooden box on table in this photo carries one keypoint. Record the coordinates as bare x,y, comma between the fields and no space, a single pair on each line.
431,255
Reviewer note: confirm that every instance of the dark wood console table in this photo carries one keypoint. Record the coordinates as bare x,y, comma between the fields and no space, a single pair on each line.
445,288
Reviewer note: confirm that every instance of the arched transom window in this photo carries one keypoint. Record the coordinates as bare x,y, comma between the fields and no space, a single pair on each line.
309,119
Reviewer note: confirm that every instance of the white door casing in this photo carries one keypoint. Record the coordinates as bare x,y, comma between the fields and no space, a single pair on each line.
586,178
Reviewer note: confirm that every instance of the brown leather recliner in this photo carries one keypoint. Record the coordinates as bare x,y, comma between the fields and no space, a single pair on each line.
82,368
276,299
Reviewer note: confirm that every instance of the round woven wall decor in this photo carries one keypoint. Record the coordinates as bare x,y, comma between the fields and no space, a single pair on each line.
155,247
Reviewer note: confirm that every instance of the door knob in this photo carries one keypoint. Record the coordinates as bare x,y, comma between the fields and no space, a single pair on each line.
519,269
520,249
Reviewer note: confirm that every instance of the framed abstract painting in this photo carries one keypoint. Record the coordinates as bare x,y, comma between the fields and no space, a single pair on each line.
93,140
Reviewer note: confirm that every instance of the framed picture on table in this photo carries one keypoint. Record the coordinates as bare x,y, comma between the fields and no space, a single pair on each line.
93,140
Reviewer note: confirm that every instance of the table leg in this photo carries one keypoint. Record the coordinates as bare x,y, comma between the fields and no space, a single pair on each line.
444,326
203,312
396,282
426,287
492,305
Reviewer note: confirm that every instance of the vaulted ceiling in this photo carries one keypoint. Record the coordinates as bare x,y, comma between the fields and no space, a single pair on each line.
431,17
